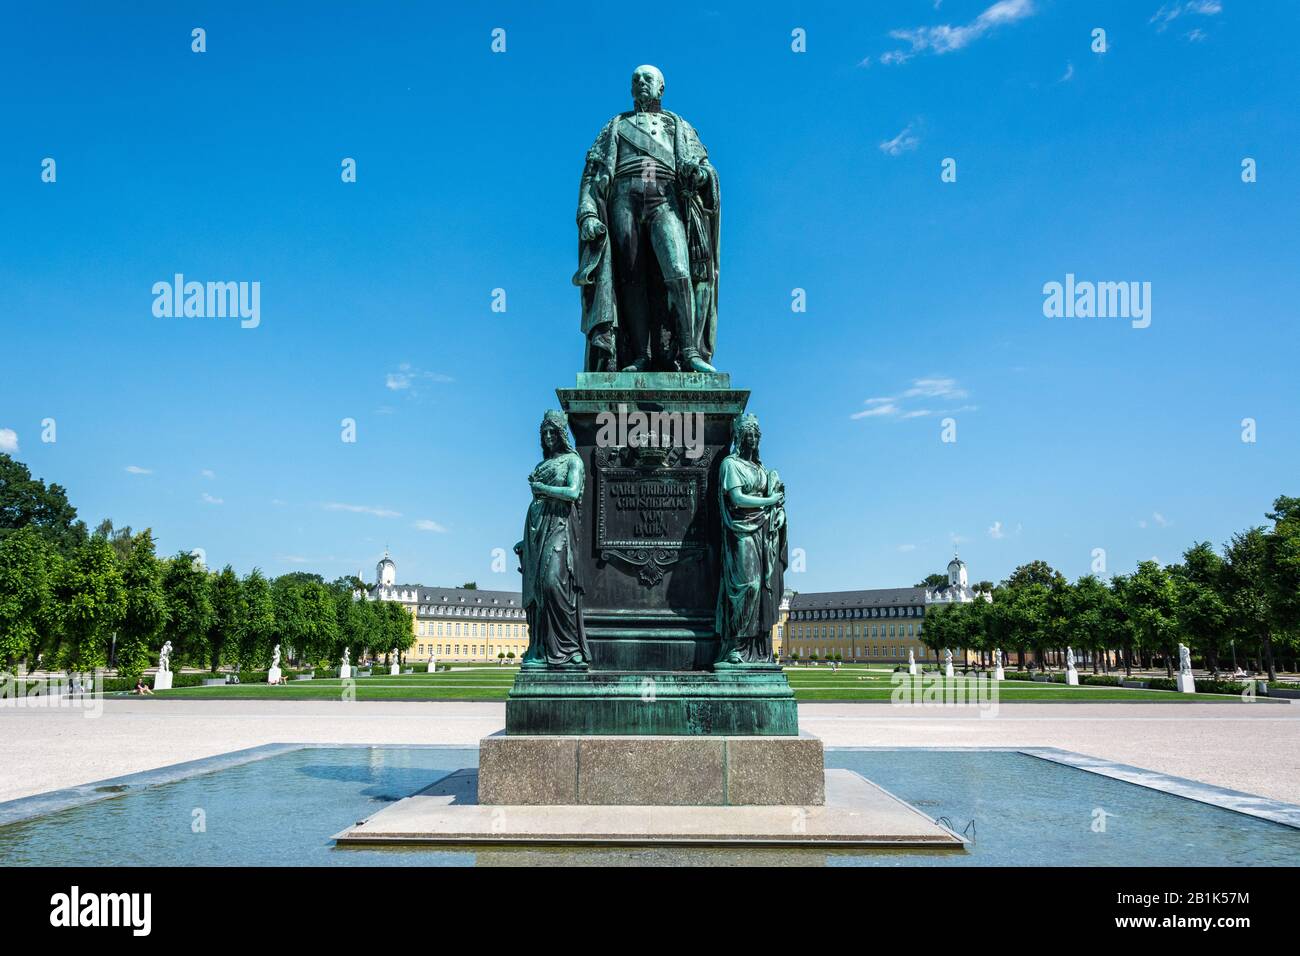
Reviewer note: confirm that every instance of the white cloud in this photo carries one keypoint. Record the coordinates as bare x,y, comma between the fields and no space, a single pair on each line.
8,441
945,38
907,547
213,501
362,509
935,388
902,143
137,470
1160,519
424,524
995,530
957,539
1169,12
407,378
1068,74
876,411
208,473
1195,35
897,406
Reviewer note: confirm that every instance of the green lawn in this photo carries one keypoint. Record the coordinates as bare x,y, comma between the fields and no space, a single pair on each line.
490,682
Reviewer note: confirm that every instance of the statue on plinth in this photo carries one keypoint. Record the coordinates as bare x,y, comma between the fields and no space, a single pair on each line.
649,212
552,593
754,555
165,657
1184,659
275,658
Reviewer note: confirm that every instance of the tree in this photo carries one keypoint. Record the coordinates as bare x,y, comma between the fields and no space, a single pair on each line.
1246,577
1151,599
1282,571
1085,609
257,631
28,612
92,594
469,586
228,614
1035,572
146,607
1201,612
395,626
290,617
189,607
933,581
26,502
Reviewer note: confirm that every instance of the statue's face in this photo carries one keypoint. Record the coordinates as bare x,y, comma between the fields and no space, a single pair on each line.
647,84
748,440
550,440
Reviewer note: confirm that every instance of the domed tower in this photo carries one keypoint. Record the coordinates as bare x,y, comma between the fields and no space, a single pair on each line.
386,571
957,573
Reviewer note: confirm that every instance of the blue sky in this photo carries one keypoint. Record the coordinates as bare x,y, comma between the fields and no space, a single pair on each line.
925,296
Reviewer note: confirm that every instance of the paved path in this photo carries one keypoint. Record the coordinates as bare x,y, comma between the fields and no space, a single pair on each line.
1250,747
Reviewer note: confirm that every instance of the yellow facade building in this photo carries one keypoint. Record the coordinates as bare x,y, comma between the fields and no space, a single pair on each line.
880,625
456,624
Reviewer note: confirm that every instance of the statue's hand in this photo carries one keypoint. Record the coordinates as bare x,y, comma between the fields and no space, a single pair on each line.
591,228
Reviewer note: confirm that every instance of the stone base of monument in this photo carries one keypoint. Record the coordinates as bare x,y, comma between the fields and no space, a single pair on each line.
752,699
1185,683
345,671
651,771
273,675
162,680
1072,677
854,813
394,670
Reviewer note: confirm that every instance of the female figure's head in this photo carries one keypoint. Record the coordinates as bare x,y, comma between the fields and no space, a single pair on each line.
555,434
745,435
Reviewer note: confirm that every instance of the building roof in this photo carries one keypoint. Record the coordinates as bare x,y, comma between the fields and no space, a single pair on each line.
475,602
874,597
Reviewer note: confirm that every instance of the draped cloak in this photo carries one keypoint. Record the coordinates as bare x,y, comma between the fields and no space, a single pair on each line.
702,211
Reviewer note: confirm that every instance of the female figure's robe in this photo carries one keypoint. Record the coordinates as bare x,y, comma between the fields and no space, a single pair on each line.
552,595
753,563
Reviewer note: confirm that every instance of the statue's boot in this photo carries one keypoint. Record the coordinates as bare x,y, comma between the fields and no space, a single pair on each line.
681,301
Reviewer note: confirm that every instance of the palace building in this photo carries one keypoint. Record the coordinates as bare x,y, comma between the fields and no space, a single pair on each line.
455,624
879,625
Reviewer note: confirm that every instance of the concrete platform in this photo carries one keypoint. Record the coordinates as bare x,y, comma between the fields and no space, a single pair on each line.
857,813
651,771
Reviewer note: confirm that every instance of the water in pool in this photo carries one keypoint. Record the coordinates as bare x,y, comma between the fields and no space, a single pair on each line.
282,810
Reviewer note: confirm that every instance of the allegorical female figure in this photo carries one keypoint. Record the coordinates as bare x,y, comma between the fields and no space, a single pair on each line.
753,550
552,583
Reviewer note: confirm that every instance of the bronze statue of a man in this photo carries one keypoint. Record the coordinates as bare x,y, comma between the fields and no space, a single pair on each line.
648,230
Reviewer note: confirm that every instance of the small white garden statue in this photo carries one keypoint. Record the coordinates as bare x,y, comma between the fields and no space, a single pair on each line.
273,676
163,679
345,669
1185,681
394,668
911,662
1071,675
947,662
998,672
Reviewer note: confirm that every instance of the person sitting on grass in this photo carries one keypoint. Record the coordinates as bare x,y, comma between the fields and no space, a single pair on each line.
142,688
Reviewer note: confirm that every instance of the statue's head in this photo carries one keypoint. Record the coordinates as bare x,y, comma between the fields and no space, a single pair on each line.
555,433
745,434
647,85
